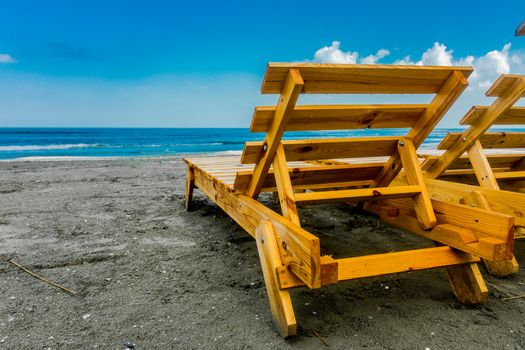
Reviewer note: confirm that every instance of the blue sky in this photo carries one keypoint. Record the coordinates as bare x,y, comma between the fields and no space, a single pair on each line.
199,64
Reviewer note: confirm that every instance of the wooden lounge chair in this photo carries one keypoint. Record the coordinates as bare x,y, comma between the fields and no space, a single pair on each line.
465,161
290,256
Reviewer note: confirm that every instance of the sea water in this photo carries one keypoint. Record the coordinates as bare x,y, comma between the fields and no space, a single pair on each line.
41,143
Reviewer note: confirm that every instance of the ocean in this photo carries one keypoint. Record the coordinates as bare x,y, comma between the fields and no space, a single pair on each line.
71,143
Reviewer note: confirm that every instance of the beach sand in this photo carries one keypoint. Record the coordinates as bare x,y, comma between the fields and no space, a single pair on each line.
148,272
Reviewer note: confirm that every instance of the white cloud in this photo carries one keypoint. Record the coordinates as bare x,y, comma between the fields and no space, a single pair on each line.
6,58
487,67
437,55
373,59
332,54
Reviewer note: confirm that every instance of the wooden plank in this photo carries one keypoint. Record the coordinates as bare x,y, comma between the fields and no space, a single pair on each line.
467,283
513,116
329,274
280,302
302,254
504,202
414,175
505,101
502,84
387,263
338,117
284,187
507,175
326,148
289,95
495,268
360,78
357,194
481,166
444,232
488,140
396,262
448,93
308,177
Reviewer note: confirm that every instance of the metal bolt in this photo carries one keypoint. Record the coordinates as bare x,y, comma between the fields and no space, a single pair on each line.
401,143
464,139
284,245
265,147
262,240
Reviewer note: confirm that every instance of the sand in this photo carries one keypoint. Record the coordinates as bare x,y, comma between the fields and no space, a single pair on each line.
148,272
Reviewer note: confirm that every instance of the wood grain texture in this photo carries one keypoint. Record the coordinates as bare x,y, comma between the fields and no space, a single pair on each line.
337,117
330,148
316,177
513,116
414,176
280,302
361,79
488,140
284,187
358,194
495,268
467,283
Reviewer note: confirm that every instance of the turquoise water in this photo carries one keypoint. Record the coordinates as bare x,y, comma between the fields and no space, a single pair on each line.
114,142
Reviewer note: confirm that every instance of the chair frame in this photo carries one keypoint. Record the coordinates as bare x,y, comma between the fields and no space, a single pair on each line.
290,256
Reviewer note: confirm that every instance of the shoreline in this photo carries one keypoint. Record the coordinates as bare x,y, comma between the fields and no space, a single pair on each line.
95,158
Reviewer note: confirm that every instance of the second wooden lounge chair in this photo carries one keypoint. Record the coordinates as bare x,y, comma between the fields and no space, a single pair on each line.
290,256
465,160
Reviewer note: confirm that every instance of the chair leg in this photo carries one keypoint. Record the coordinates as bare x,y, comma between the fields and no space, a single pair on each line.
502,268
495,268
190,185
280,301
467,283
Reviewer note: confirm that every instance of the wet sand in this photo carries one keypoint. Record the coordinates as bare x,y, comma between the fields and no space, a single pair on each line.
148,272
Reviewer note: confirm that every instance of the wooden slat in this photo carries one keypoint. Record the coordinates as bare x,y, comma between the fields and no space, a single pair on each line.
481,166
496,161
338,117
358,194
504,82
488,140
304,176
513,116
445,98
414,175
326,148
387,263
289,95
284,187
510,175
412,260
358,78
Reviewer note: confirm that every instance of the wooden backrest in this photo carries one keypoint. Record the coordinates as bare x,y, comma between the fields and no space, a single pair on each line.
508,89
290,80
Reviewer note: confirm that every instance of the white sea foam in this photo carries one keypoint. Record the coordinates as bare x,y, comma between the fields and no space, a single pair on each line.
45,147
